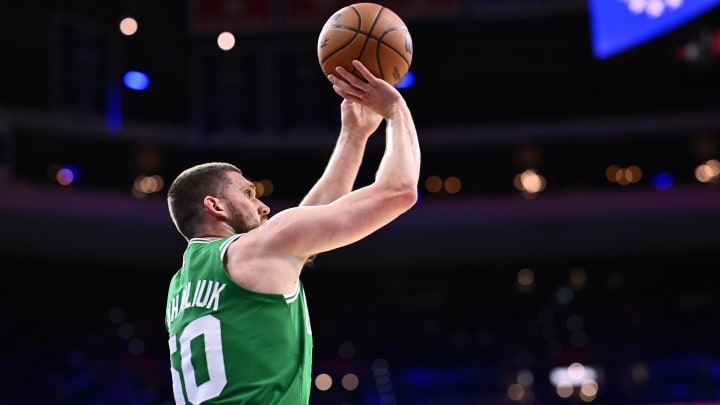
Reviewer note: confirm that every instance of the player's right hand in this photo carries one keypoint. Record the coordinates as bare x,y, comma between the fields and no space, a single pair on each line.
374,93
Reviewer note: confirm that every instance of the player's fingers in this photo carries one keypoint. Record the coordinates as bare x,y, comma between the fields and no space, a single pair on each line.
346,91
352,79
363,70
351,85
339,84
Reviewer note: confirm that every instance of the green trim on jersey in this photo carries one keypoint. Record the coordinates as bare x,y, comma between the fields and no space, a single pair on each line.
230,345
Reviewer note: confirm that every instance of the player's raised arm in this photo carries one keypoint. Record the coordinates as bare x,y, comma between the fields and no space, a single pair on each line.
400,165
310,230
358,124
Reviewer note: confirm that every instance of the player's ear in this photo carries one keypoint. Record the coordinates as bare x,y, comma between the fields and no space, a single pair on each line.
214,206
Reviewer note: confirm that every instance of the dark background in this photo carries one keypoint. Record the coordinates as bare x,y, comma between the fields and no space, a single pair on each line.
623,275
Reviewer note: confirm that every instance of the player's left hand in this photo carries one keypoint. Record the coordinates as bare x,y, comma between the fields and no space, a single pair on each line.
359,119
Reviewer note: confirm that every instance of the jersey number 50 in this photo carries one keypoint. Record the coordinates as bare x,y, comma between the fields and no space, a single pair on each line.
209,328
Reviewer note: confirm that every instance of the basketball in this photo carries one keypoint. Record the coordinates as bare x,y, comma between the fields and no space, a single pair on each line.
370,33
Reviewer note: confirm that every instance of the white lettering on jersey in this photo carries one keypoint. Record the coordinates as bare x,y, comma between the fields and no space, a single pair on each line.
205,294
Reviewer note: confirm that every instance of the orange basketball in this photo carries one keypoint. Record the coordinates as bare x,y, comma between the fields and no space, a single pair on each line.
370,33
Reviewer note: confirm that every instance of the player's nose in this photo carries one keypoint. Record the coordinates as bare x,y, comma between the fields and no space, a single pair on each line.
263,209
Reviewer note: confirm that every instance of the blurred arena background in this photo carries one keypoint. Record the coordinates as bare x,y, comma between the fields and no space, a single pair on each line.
562,250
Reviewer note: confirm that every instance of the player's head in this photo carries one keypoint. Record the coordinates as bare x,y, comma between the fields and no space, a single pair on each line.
223,182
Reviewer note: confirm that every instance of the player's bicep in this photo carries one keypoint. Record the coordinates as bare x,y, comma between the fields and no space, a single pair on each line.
304,231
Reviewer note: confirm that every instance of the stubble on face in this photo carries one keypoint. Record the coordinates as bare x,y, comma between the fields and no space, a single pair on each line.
243,221
242,216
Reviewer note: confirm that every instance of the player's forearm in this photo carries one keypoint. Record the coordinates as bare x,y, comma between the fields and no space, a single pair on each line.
400,165
341,171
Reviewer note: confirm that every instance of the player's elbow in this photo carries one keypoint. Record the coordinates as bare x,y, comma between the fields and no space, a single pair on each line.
398,195
405,197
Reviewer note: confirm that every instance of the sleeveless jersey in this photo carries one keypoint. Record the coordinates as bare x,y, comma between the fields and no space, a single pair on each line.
230,345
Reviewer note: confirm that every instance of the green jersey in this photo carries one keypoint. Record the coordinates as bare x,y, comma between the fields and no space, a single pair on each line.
230,345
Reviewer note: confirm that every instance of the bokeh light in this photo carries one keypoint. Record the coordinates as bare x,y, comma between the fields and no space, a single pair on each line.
128,26
136,80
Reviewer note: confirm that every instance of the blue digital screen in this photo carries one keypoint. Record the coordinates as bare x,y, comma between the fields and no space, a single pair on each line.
618,25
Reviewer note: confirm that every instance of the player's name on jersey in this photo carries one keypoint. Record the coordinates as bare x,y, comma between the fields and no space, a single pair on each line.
204,293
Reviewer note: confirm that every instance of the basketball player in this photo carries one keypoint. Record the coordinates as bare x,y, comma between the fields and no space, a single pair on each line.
236,315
